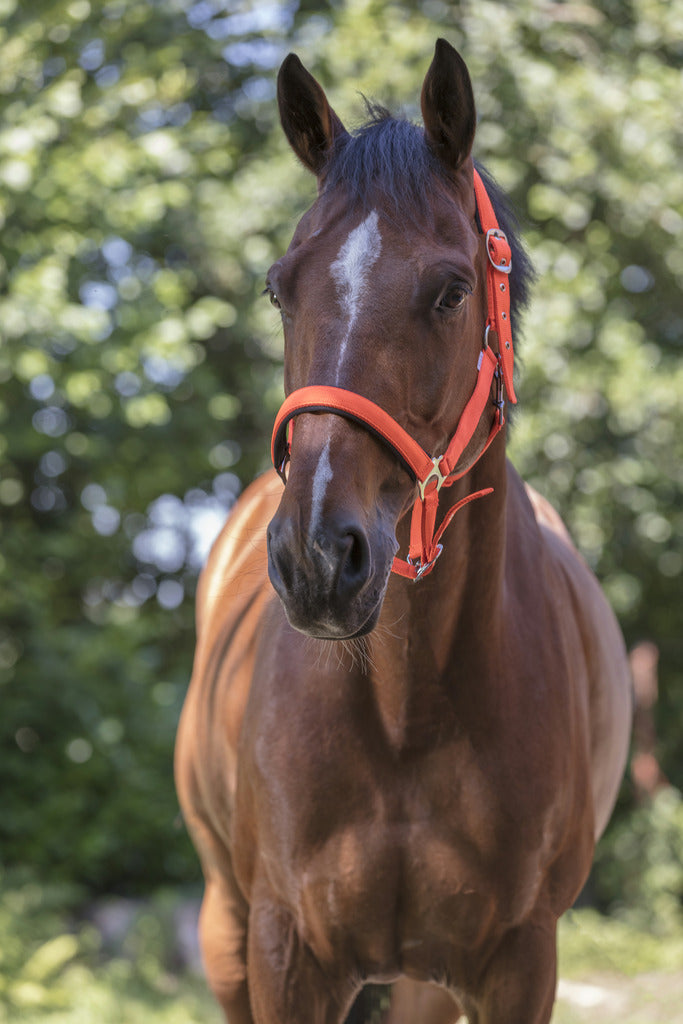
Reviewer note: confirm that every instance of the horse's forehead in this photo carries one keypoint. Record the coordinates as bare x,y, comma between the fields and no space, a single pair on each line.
441,220
357,253
329,222
351,241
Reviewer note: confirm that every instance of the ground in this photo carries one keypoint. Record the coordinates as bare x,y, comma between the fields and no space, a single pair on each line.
612,999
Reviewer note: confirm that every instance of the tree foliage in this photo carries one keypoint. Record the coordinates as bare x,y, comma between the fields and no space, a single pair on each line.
145,189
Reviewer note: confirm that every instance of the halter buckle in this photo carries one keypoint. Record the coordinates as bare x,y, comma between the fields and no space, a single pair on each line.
434,474
504,264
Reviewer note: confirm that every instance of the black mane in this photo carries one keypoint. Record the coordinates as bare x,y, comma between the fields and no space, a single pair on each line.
389,157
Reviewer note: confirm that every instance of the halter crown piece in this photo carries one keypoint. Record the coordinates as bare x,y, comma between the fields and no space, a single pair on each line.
430,473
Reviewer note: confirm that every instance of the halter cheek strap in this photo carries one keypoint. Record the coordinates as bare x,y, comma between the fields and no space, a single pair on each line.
497,284
430,473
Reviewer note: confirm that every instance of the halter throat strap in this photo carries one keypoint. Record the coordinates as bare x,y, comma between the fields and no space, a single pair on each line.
430,473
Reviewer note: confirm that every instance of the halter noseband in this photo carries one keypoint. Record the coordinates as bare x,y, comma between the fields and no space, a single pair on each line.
430,473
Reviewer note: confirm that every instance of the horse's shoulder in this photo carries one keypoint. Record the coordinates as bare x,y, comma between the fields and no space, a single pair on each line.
539,524
545,570
233,591
547,516
574,589
563,560
237,564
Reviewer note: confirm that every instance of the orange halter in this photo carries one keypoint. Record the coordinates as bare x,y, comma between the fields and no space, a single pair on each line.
430,473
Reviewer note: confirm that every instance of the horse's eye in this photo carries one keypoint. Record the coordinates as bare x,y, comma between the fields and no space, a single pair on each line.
273,298
453,297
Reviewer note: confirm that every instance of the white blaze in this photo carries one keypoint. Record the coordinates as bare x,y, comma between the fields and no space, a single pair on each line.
350,271
321,478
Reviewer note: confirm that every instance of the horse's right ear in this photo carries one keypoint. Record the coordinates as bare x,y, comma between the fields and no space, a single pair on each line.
309,122
448,107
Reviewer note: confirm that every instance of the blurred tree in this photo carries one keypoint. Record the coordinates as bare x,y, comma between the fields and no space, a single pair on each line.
145,189
133,246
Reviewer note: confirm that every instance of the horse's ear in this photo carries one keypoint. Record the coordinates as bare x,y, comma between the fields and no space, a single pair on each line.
309,122
448,106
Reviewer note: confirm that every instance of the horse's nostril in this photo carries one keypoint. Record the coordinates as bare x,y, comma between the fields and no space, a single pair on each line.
321,574
355,567
356,554
280,563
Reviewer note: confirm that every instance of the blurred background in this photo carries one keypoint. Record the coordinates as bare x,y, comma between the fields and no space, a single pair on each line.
145,188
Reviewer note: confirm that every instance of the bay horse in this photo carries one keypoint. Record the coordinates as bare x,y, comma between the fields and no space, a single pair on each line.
396,777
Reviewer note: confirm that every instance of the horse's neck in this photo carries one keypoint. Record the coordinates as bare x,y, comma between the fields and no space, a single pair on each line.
447,625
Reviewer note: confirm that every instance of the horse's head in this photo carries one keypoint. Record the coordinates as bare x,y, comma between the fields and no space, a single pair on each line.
382,293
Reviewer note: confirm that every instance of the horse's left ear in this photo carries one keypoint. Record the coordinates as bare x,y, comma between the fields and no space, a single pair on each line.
448,106
309,122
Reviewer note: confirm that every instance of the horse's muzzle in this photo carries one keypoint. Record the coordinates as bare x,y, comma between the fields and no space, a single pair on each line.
327,581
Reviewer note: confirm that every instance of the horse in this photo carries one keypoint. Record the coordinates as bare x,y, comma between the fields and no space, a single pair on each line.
408,720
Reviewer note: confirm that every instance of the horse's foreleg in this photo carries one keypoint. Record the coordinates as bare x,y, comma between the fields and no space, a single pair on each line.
222,932
287,983
519,983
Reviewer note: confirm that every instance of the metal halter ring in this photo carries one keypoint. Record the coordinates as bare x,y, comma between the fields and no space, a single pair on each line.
434,474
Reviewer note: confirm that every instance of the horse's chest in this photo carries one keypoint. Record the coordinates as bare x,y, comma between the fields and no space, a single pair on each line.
413,876
403,898
401,863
